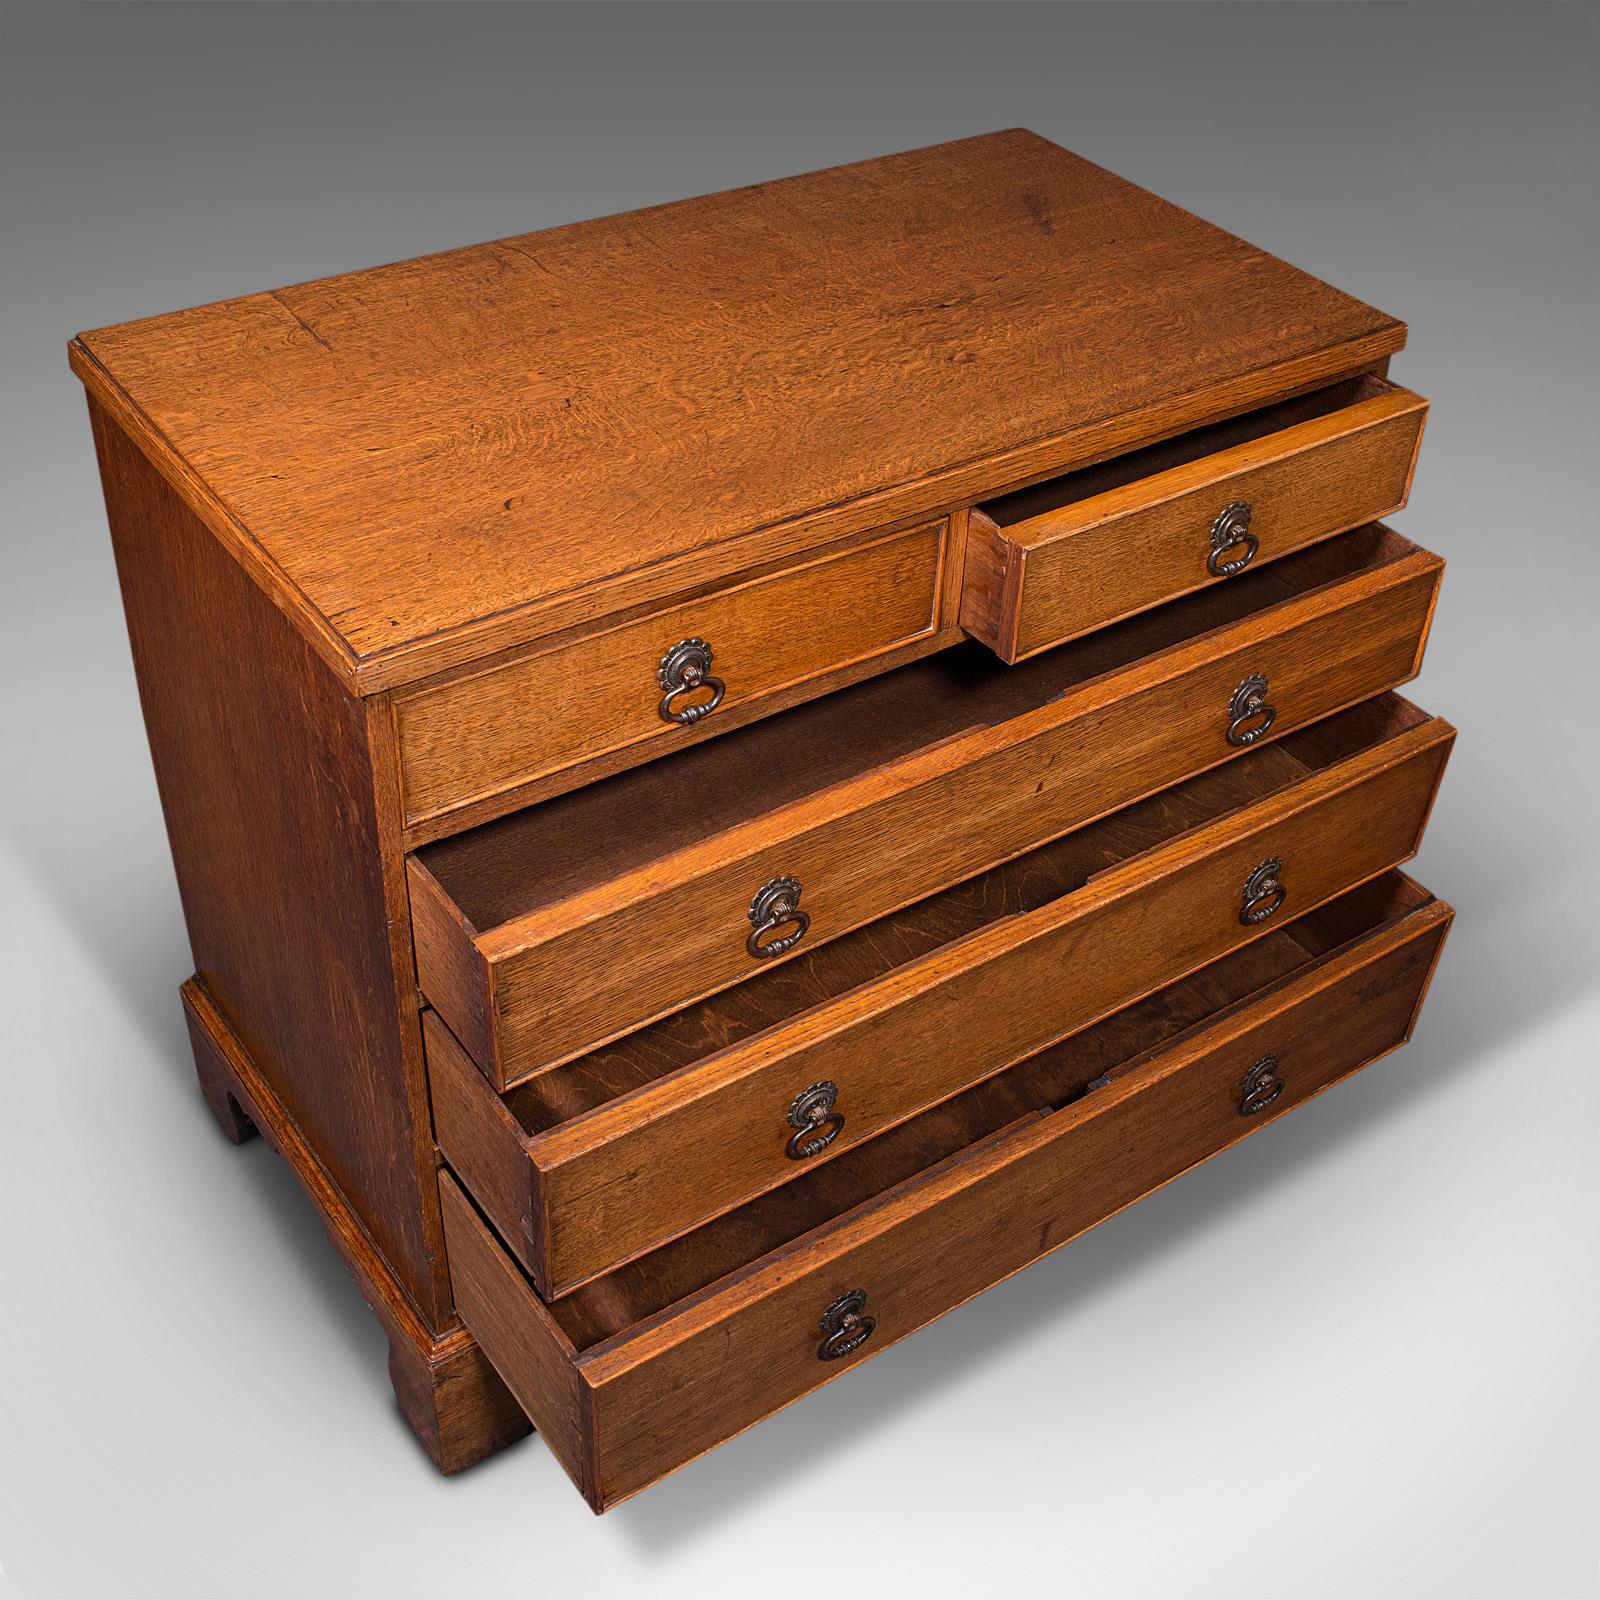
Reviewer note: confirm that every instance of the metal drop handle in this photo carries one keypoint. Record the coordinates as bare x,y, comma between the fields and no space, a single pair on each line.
685,668
1231,531
816,1124
1263,893
845,1325
776,905
1250,717
1262,1085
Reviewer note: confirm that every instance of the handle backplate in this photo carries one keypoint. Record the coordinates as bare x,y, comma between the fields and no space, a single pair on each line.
1262,1085
845,1325
1231,531
1263,892
1250,717
684,669
776,905
816,1124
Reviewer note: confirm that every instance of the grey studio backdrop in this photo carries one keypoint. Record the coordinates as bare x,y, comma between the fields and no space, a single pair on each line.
1353,1357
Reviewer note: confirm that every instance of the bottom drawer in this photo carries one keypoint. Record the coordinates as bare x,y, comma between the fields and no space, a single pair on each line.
645,1368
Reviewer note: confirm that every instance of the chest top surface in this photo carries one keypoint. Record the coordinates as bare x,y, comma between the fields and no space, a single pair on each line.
431,459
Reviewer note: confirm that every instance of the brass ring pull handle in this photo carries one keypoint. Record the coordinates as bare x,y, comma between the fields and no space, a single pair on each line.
1261,1087
776,905
1231,531
1249,715
816,1124
1263,893
685,668
845,1325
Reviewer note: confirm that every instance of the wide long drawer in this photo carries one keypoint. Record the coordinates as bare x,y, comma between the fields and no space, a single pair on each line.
542,935
1053,561
602,1160
658,1362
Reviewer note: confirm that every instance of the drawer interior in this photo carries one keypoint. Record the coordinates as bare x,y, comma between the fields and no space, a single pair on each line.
525,863
1056,493
1015,887
1045,1082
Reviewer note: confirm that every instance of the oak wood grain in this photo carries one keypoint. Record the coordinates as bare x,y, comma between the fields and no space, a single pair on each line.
684,1385
400,551
534,1356
677,1381
1053,1078
919,1005
778,637
550,932
426,462
1055,561
291,886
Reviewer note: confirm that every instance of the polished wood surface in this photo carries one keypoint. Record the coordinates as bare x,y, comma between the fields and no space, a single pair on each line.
660,1384
1052,562
774,639
288,869
1051,1079
545,934
401,552
427,462
917,1006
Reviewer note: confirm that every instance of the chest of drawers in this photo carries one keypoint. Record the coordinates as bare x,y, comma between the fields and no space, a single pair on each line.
738,773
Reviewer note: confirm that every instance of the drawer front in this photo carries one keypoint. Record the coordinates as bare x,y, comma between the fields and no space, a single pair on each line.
1050,577
712,1135
626,1411
601,700
532,993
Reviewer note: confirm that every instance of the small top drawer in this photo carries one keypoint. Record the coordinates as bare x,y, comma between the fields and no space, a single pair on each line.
622,694
1056,560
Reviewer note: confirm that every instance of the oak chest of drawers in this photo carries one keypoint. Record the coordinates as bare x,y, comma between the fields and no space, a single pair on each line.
740,772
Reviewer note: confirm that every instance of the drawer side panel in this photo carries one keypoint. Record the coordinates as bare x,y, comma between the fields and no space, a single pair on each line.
520,1338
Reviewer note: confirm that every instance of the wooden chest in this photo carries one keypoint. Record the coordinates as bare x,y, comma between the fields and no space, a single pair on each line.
1021,532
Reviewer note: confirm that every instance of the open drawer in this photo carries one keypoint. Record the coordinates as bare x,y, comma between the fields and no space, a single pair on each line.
610,1155
1053,561
657,1362
544,934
